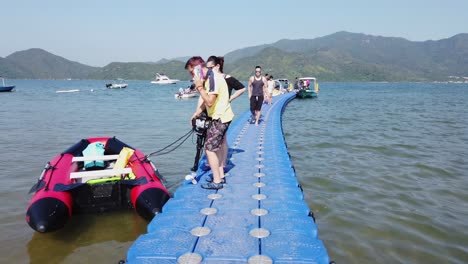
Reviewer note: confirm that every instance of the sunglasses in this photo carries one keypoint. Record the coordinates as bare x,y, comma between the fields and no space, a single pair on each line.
258,71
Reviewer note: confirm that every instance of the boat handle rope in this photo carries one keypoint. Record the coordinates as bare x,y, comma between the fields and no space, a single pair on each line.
160,152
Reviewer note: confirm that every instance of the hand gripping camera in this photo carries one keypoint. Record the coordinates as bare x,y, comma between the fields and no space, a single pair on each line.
200,124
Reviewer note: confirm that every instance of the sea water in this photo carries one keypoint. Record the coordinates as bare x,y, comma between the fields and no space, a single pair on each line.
384,166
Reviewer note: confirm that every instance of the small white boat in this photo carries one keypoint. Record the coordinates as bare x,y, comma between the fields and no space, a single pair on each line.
187,93
68,91
116,85
163,79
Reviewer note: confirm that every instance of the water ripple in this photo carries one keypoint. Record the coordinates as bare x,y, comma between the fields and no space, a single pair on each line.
384,168
383,165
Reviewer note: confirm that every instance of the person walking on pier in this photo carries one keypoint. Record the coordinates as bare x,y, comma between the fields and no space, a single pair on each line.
257,92
214,93
271,87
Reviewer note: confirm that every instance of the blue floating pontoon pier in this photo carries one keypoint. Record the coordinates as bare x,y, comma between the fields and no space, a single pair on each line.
260,215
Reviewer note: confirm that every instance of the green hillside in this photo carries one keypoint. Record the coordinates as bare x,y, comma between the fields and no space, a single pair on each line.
40,64
141,71
341,56
347,56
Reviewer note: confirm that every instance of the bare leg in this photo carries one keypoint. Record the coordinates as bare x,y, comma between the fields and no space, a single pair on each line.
257,117
224,148
213,160
220,154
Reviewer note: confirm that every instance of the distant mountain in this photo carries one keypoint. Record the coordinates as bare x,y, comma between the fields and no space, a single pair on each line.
9,69
352,56
40,64
140,71
341,56
326,65
182,59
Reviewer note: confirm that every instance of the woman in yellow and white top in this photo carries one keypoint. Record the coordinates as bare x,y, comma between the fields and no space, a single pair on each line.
215,95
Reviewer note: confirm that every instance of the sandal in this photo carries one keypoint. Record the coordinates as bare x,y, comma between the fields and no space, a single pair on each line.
212,186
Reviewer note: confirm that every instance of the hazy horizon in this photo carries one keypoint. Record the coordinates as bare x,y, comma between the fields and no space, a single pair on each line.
98,33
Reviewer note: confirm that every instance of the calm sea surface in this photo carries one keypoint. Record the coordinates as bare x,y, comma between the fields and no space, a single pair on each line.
384,166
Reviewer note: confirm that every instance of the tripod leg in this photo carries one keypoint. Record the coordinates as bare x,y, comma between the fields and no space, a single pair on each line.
200,143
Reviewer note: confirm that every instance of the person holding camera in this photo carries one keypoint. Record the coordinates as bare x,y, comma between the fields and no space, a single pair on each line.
214,96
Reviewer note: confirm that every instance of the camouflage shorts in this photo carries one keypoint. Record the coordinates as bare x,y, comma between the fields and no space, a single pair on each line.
215,134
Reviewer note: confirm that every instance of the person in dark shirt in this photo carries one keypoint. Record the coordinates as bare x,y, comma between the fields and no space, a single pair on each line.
257,93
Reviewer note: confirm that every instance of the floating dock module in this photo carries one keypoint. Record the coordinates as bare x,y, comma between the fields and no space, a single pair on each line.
260,215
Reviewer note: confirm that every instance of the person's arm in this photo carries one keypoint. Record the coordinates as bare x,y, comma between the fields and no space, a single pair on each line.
208,99
200,109
265,88
237,94
249,87
236,85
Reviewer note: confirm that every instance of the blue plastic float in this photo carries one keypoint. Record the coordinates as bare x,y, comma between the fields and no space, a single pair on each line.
260,215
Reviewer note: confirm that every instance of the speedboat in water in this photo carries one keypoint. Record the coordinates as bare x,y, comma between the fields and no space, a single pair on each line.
307,87
95,175
163,79
188,92
116,85
6,88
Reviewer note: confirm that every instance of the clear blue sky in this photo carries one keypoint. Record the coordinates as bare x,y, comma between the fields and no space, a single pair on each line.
98,32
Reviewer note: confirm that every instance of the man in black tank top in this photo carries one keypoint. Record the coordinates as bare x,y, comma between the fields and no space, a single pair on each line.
257,93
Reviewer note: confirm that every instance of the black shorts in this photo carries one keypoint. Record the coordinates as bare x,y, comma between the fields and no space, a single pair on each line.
256,103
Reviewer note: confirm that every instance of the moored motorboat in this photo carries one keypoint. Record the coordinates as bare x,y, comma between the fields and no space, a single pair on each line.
163,79
6,88
68,91
307,87
189,92
116,85
91,181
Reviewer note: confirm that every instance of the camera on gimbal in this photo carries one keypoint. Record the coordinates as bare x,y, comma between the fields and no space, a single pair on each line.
201,123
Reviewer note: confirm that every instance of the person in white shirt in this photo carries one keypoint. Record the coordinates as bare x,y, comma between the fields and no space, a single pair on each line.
271,87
